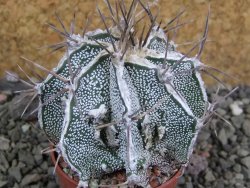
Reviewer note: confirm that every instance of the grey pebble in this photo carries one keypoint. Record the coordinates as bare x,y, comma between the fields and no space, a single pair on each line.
26,157
241,152
222,137
239,176
209,176
30,178
4,161
228,175
246,162
204,135
237,168
44,165
4,143
225,163
38,159
246,127
15,172
246,172
221,111
15,134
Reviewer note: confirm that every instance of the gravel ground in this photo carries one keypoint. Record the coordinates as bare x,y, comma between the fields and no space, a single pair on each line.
221,158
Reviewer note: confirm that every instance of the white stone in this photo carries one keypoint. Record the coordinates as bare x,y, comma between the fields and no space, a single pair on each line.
25,128
236,108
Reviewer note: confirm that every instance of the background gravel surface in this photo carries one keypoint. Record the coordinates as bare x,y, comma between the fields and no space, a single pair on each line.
221,157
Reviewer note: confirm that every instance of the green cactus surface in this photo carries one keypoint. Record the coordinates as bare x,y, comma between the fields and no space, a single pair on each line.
121,101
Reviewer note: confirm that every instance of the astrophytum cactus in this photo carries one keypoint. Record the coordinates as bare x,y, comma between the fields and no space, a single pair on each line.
122,99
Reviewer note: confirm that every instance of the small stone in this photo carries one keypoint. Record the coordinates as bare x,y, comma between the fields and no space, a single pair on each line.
222,137
242,152
225,164
27,158
236,108
204,135
14,134
21,145
11,124
246,101
4,143
239,176
246,162
237,168
15,172
36,150
246,172
2,168
21,165
246,127
237,120
4,161
25,127
227,147
38,159
233,157
26,169
233,138
230,130
44,166
209,176
14,163
30,178
221,111
228,175
223,154
197,164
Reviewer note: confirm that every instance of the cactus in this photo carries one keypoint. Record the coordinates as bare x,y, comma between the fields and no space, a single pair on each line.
121,100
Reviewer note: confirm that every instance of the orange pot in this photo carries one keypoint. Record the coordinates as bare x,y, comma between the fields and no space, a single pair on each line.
66,182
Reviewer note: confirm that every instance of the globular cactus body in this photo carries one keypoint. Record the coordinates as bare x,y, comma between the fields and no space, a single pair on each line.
124,106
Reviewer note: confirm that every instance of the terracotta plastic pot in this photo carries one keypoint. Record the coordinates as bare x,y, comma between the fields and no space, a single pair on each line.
63,179
66,182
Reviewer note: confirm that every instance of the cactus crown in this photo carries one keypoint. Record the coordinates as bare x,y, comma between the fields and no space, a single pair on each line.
117,100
